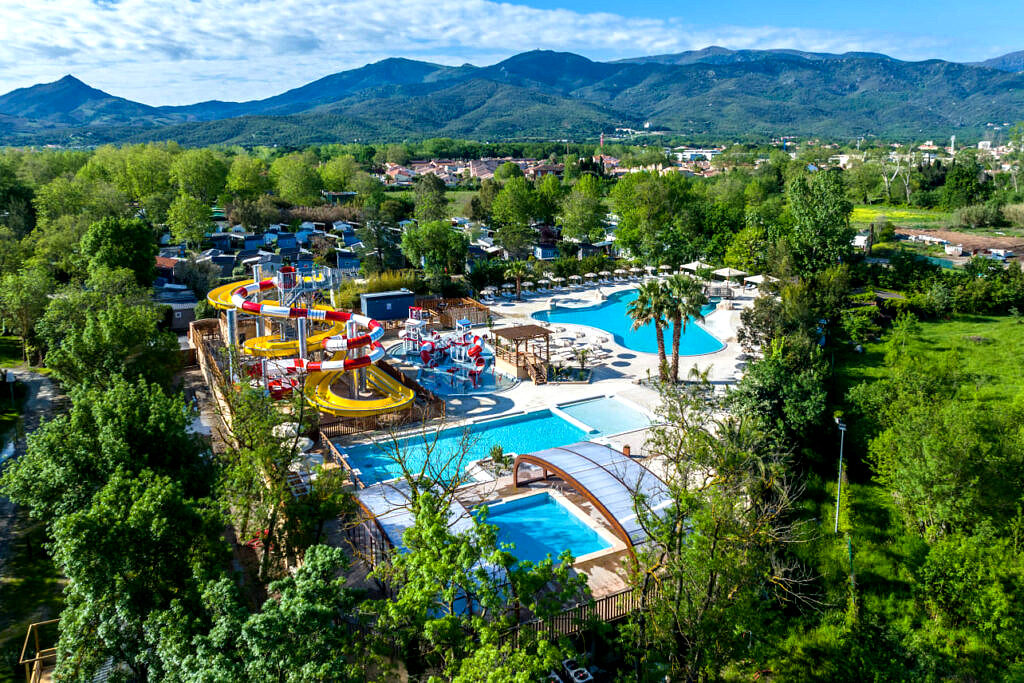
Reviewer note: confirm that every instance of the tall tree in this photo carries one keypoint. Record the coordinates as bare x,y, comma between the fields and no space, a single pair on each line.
121,243
437,245
650,306
582,214
189,219
431,203
296,179
513,211
23,298
339,172
200,173
720,566
685,300
822,235
518,270
247,177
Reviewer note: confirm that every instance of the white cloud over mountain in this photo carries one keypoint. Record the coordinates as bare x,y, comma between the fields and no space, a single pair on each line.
183,51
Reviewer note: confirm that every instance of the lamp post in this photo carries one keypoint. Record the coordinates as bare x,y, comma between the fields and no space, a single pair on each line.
839,488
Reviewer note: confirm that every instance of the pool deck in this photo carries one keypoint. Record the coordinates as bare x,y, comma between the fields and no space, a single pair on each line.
621,372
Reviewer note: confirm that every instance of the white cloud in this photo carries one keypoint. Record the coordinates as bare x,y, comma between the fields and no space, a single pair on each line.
181,51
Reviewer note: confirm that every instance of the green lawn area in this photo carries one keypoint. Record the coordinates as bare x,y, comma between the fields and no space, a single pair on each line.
901,216
36,594
988,348
10,351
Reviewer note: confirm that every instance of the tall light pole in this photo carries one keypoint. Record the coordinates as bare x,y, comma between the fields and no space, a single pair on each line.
839,488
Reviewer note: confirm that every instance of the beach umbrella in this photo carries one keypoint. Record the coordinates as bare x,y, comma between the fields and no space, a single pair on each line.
729,273
664,267
543,281
527,283
575,277
621,271
634,269
559,279
696,265
604,273
590,275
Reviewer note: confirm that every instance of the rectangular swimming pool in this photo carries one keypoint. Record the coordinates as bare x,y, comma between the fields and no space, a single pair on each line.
516,434
608,415
538,525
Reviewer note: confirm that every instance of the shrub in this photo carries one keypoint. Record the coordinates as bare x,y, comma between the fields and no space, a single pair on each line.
1014,213
977,215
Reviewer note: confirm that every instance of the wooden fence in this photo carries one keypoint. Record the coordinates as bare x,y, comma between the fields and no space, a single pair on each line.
447,311
573,620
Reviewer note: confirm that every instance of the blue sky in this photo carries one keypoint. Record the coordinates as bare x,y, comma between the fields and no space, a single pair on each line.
183,51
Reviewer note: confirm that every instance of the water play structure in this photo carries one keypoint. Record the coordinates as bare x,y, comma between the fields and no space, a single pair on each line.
310,345
460,353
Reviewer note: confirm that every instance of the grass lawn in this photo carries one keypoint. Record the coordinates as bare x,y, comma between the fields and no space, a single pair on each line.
36,594
901,216
10,351
988,348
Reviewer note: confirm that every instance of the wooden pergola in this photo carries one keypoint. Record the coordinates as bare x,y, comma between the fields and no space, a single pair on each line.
518,337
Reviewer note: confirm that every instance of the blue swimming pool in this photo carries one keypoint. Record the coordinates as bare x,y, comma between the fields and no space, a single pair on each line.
539,526
609,415
516,434
610,316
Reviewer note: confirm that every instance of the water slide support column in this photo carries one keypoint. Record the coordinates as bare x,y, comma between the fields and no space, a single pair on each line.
257,275
231,318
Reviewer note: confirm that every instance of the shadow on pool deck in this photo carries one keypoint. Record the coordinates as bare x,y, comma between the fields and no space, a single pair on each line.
480,405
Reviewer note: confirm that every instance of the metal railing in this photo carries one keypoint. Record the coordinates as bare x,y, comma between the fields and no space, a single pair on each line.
44,659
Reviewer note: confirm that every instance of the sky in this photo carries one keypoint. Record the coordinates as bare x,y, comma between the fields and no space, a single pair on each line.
184,51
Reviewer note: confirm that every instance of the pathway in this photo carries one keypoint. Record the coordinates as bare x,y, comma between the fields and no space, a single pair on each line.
42,397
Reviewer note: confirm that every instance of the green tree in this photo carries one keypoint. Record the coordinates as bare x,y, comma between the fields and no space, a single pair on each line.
381,246
189,219
721,567
127,427
512,211
437,245
23,299
582,214
199,173
339,172
121,243
963,187
549,193
457,593
132,550
296,179
369,192
518,270
651,306
508,170
247,177
293,638
108,329
431,203
822,235
685,301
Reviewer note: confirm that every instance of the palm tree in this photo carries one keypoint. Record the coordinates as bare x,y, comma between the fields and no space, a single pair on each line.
649,307
685,301
518,270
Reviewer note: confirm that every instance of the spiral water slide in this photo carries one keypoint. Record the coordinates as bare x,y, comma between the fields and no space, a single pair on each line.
285,358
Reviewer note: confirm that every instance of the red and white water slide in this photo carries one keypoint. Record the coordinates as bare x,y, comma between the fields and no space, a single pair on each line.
371,339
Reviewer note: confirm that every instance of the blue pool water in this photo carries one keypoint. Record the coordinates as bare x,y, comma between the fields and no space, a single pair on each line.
941,262
610,316
539,525
516,434
608,415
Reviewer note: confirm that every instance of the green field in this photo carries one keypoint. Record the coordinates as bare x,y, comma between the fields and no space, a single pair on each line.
988,349
864,215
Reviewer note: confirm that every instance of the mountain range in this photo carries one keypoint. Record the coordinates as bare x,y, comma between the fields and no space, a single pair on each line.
708,93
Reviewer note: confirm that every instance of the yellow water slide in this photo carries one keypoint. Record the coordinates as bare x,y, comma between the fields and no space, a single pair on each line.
319,393
318,384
